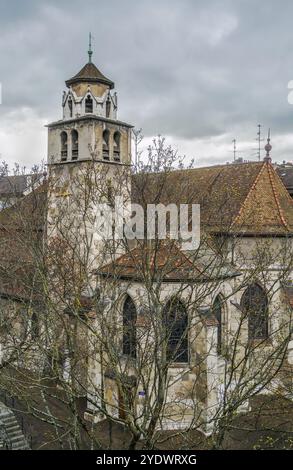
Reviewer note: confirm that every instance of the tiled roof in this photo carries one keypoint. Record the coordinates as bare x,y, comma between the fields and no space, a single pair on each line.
91,74
247,198
267,208
21,238
18,265
166,262
29,212
16,184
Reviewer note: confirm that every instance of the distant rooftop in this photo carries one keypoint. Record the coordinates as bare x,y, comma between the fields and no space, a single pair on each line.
16,185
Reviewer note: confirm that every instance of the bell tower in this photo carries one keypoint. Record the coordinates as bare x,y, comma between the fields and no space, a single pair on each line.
89,158
89,128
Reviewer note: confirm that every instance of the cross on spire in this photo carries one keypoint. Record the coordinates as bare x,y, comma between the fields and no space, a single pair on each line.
90,52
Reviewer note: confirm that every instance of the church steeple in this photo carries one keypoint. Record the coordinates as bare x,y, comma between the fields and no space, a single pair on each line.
89,128
89,92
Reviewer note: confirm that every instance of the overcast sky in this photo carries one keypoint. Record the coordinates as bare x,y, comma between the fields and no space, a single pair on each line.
198,72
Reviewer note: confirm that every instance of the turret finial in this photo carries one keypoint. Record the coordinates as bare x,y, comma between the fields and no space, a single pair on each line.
90,52
268,148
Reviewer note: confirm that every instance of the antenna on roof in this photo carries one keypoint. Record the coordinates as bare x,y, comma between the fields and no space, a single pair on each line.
259,139
234,149
236,157
90,52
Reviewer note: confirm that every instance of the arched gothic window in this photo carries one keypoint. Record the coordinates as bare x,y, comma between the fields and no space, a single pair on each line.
218,312
116,145
129,328
254,304
64,146
74,144
89,104
176,326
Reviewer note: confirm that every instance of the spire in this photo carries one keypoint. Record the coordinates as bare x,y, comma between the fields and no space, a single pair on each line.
89,72
268,148
90,52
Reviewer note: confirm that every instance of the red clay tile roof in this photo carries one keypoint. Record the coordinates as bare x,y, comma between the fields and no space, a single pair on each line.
267,208
27,212
165,262
242,198
248,198
21,238
90,74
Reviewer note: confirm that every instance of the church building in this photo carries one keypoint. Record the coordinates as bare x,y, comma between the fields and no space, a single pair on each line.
164,332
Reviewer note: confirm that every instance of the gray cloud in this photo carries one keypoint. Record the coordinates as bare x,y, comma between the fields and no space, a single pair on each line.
200,72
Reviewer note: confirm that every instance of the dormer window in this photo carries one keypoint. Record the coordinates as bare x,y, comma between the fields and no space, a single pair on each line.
64,146
89,104
74,144
116,149
70,107
106,136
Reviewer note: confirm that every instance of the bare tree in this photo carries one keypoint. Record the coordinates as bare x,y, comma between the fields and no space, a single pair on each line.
154,336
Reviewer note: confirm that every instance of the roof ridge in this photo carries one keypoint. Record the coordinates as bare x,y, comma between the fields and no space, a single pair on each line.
220,166
248,194
181,252
280,211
